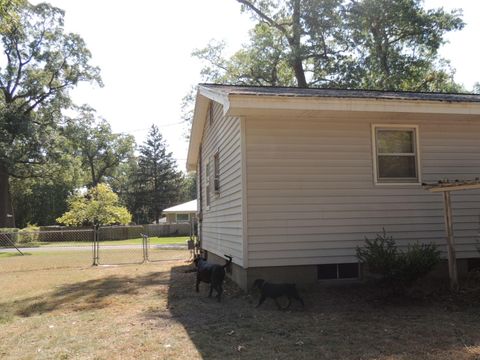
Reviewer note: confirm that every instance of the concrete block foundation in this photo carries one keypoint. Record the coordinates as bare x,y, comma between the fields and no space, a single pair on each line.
307,274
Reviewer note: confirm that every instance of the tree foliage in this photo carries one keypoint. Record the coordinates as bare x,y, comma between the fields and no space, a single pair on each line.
40,64
9,13
157,180
398,42
40,200
396,268
100,206
375,44
476,88
100,150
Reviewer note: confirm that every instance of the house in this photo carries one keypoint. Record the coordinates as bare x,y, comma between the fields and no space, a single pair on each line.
181,213
292,180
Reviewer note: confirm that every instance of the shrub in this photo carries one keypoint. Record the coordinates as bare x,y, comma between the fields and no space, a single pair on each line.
29,234
394,267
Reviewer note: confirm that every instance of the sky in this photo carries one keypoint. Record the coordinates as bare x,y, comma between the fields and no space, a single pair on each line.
144,47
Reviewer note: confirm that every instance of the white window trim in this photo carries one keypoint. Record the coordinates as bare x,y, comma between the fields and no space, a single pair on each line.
417,154
177,220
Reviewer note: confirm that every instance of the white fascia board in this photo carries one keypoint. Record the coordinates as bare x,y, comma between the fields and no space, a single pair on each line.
198,123
241,105
220,97
202,101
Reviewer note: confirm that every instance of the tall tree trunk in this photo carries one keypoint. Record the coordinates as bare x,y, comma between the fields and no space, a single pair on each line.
295,44
7,219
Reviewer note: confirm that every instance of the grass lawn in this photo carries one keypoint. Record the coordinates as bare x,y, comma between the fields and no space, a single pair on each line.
53,306
179,240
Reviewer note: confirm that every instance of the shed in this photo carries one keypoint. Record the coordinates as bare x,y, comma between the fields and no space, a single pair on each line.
292,180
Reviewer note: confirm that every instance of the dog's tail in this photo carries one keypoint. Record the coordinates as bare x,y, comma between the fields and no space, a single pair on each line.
229,261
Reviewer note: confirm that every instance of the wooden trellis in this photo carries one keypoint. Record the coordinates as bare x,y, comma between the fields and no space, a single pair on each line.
446,187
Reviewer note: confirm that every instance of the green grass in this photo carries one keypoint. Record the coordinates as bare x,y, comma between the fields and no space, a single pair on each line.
11,254
180,240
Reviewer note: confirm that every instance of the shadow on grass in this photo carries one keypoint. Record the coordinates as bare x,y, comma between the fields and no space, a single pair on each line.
347,322
83,296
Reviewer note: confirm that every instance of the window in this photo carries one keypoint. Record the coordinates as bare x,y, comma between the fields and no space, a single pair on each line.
337,271
210,114
396,154
207,184
216,171
182,217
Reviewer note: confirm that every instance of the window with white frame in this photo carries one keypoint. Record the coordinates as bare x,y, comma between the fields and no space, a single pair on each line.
182,217
396,154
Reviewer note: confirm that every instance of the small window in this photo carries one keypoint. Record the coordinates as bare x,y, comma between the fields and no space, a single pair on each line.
216,170
207,184
182,217
396,154
337,271
210,114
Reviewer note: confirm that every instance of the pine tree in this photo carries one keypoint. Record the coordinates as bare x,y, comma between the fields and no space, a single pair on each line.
157,181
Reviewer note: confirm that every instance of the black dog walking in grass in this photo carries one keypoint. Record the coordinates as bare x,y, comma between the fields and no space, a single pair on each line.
274,291
212,274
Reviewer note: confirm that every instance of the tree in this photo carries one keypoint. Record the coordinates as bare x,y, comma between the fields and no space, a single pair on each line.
100,206
299,43
375,44
41,64
101,151
397,42
40,200
476,88
188,188
157,181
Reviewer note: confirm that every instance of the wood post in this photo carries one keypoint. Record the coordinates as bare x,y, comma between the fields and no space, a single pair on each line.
452,258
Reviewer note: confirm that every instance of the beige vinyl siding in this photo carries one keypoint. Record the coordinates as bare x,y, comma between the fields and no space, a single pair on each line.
311,194
222,220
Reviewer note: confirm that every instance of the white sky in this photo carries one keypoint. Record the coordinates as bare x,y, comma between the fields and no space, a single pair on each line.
143,48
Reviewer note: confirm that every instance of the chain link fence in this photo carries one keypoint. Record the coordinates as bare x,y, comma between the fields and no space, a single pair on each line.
111,245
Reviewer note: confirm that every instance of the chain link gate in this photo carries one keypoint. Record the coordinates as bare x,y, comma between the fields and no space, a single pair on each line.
107,251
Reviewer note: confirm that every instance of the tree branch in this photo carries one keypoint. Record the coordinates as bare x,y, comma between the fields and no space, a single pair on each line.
265,17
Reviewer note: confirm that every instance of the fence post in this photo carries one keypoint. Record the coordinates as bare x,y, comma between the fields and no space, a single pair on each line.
95,245
145,247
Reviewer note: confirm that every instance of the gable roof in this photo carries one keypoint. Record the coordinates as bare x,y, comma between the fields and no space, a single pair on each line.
244,100
188,207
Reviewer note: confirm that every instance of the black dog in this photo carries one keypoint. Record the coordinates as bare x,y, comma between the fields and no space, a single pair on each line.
274,291
212,274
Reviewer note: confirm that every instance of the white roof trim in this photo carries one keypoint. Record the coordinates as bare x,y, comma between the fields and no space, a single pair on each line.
238,105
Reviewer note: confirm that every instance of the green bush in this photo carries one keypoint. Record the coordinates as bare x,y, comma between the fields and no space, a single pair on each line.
395,267
29,234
